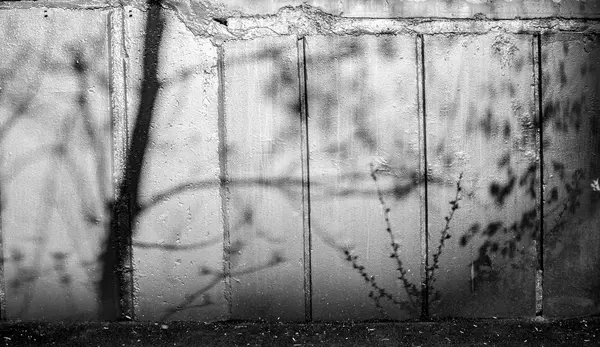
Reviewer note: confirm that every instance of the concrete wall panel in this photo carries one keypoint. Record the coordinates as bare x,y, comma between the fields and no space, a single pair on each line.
480,117
55,160
362,107
571,111
264,170
178,235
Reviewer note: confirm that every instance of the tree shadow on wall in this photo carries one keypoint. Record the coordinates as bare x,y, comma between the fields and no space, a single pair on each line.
56,181
570,148
505,241
74,186
53,144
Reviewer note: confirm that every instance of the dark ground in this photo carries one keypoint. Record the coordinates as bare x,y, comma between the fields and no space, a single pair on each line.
488,332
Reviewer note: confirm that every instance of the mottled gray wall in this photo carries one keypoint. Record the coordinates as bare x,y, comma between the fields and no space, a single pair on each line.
261,162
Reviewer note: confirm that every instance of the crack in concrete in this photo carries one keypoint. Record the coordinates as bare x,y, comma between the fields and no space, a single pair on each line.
306,20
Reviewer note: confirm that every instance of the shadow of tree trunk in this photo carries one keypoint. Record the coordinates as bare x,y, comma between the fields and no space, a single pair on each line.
115,286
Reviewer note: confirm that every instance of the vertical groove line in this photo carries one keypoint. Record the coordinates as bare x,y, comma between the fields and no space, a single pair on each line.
2,286
120,142
420,52
539,278
126,147
304,149
224,180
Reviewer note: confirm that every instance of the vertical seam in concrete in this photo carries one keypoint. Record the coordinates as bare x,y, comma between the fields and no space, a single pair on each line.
2,282
304,152
120,138
224,180
424,229
131,300
539,274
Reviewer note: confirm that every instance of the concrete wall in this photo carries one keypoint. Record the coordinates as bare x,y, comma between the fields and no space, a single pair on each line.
430,8
263,162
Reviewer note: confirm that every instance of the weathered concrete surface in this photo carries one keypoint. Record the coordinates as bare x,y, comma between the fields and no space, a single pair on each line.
413,8
306,20
264,179
498,9
480,112
178,236
362,107
225,236
55,160
571,116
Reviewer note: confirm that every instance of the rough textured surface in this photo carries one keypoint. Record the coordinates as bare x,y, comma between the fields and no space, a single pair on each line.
498,9
416,8
55,161
307,20
362,107
480,112
264,162
222,226
571,111
178,234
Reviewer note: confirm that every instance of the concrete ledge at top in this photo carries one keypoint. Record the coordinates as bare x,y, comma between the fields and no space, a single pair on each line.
64,4
496,9
493,9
